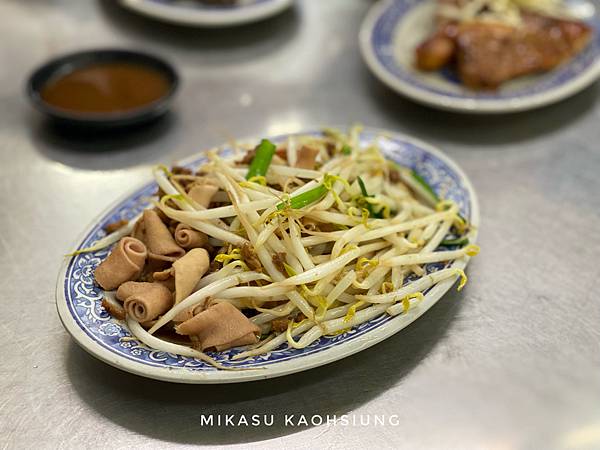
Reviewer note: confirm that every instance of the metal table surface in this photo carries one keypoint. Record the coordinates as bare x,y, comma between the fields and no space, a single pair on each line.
511,362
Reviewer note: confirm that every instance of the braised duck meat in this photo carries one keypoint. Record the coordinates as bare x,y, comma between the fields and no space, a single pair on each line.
487,54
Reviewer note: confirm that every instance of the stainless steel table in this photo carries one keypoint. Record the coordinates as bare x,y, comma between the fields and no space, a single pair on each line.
512,362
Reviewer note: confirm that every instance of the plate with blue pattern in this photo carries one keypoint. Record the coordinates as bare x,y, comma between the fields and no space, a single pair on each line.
79,298
208,14
393,28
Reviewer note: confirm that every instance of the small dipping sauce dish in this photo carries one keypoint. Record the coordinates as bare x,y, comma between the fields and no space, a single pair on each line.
103,88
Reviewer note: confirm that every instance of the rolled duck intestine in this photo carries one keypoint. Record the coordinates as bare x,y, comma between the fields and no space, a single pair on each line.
130,288
187,272
145,301
161,244
188,238
124,263
202,193
220,327
168,282
307,157
139,231
113,307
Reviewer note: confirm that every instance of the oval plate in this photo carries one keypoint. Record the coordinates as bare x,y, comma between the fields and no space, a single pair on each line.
78,298
194,13
393,28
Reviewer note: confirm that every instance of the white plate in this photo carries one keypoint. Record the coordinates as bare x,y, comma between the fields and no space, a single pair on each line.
79,299
194,13
393,28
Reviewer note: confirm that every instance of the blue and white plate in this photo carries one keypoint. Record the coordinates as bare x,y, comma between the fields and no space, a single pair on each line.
393,29
79,299
196,13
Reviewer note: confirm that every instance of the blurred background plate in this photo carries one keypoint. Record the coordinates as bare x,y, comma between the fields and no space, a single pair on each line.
199,14
393,29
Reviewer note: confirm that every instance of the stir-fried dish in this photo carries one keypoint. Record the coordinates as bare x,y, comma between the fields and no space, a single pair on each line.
488,42
279,244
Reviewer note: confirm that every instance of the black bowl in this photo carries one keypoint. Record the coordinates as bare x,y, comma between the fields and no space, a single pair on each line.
68,63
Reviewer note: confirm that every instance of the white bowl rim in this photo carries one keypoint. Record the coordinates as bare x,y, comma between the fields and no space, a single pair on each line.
205,17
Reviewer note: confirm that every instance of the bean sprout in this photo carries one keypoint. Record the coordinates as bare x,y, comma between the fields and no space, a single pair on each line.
312,251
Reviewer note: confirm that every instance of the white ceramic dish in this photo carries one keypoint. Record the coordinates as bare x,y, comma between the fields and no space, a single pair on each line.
195,14
393,28
79,299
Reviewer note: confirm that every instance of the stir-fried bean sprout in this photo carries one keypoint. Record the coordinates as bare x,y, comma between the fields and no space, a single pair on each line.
308,238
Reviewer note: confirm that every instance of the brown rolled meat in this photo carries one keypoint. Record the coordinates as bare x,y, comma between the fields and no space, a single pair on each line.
148,301
203,193
165,278
113,308
130,288
189,313
220,327
307,157
124,263
158,238
163,275
139,231
188,271
188,238
169,283
157,263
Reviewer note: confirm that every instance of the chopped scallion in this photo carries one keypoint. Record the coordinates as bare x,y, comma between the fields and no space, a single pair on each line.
419,179
262,159
462,241
363,188
369,206
306,198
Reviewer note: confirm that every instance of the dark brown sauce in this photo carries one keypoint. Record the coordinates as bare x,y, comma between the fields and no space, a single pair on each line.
106,88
